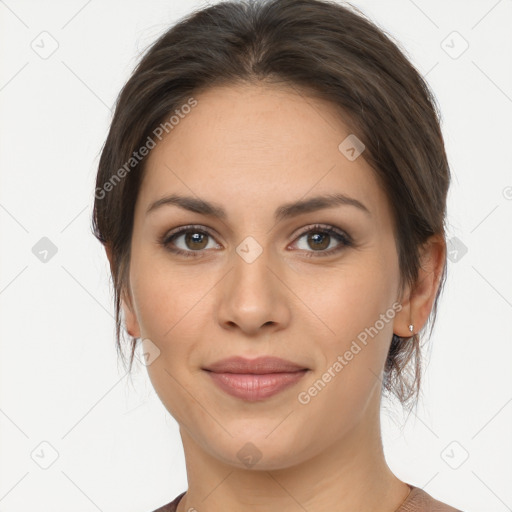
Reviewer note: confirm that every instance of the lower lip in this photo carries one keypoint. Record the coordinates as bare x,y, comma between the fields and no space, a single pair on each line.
254,387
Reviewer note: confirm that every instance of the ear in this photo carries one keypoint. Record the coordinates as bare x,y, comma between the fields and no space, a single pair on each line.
132,325
418,299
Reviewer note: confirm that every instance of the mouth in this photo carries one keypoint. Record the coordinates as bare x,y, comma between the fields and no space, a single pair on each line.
260,366
255,379
254,387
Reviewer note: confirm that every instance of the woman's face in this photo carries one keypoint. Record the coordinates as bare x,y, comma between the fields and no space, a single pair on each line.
257,284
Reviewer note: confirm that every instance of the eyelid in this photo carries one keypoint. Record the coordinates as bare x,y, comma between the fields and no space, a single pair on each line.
166,238
188,227
342,236
323,227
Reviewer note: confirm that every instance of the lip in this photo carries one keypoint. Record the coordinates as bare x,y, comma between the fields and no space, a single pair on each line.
255,379
253,387
260,365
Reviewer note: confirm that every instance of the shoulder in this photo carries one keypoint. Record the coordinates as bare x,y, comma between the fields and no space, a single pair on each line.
171,507
420,501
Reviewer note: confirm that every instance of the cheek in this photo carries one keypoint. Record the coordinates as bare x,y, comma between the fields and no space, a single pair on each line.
358,309
171,315
356,306
348,300
174,312
165,295
156,304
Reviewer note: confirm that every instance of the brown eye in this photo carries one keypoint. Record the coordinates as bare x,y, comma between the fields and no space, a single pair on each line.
191,241
319,238
187,241
318,241
196,240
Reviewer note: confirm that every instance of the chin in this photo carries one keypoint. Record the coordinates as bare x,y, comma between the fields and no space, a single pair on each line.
258,453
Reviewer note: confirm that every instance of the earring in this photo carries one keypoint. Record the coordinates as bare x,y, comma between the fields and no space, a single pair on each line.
411,328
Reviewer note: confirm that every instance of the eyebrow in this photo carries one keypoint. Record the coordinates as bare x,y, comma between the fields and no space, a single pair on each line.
285,211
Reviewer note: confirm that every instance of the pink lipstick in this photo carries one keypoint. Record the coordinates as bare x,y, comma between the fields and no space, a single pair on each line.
255,379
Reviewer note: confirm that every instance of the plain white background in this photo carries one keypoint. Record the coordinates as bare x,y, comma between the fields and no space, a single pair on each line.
106,441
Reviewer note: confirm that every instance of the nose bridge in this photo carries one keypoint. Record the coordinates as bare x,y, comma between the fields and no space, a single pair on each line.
252,295
251,277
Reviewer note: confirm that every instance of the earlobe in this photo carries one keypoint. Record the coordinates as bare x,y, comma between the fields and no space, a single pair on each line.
418,301
403,319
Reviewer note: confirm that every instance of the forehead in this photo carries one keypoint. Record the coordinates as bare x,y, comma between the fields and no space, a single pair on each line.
255,145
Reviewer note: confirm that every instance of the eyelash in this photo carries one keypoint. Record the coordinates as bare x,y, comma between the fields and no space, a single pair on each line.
339,235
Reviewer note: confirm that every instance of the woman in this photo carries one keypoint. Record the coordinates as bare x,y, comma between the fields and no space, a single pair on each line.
272,198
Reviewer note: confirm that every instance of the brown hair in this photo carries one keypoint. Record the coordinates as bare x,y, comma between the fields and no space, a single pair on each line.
326,50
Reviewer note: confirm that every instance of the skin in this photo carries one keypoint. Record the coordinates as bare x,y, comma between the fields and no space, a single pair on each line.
250,149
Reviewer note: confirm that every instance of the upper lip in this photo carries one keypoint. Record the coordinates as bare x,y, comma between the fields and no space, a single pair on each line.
260,365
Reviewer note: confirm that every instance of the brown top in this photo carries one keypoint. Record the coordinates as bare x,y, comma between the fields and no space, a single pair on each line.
417,501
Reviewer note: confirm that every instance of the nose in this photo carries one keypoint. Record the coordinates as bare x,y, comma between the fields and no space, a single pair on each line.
253,296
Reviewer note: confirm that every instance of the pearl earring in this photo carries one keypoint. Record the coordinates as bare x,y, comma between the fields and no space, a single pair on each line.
411,328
